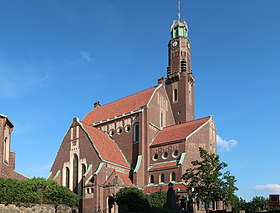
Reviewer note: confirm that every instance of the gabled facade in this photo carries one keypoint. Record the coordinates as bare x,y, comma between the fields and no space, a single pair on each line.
146,140
7,157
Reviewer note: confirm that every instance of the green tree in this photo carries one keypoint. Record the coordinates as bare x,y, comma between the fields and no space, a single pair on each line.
257,204
133,198
157,199
207,182
35,191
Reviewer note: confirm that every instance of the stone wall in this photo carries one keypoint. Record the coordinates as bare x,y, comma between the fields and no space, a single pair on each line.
37,209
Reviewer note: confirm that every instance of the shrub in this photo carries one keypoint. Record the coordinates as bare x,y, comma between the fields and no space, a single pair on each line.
35,191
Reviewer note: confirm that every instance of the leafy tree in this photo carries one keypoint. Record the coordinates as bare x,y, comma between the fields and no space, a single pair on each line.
35,191
134,198
207,182
157,199
257,204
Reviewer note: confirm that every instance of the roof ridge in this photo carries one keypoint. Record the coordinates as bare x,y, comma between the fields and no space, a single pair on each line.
122,98
181,124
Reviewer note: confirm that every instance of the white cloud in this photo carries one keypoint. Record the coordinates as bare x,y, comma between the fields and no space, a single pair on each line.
226,145
273,188
85,55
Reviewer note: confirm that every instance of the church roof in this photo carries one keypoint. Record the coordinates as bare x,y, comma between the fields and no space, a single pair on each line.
164,187
164,165
105,146
119,107
178,131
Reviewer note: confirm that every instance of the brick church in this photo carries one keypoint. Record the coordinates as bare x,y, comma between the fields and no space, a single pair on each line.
145,140
7,157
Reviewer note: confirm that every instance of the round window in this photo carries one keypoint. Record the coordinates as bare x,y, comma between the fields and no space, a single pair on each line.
127,128
111,132
119,130
155,158
175,153
165,155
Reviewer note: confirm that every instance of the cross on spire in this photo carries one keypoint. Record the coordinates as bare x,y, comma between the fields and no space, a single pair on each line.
179,10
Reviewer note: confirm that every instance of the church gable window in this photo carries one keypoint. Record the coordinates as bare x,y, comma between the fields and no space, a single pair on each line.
161,178
75,173
173,176
67,177
152,180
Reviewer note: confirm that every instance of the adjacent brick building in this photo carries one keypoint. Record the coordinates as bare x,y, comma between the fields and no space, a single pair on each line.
145,140
7,157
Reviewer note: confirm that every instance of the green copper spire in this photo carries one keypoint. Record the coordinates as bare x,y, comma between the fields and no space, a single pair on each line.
179,28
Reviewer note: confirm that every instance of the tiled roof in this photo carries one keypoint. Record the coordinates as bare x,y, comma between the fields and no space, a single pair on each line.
123,178
160,166
122,106
161,187
179,131
106,147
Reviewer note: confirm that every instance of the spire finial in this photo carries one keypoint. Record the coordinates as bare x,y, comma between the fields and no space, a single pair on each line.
179,10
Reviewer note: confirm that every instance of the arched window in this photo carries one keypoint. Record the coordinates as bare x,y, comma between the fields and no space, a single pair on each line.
175,95
67,177
75,174
162,178
136,133
173,176
152,180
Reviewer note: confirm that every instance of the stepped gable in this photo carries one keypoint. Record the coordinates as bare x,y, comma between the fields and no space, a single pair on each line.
178,131
119,107
105,146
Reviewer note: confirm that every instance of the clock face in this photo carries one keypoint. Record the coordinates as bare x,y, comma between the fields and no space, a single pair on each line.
189,45
175,43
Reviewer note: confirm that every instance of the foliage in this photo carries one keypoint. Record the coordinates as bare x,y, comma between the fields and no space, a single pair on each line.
134,198
35,191
137,201
157,199
207,182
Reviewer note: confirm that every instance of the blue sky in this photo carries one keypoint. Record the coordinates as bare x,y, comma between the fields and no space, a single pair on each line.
57,57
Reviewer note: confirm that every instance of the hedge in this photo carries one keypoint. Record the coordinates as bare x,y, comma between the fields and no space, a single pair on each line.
35,191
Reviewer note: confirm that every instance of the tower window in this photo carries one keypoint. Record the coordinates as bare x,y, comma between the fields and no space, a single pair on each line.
136,133
175,95
6,151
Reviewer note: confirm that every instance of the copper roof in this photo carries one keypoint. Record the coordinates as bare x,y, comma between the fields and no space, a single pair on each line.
178,131
105,146
122,106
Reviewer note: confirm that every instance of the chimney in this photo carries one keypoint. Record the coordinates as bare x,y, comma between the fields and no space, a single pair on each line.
96,104
160,80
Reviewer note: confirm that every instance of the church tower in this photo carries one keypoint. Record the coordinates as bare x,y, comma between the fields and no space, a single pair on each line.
180,81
